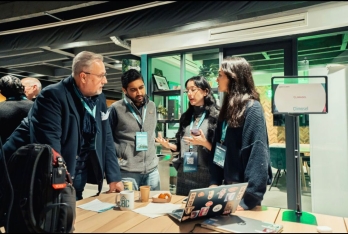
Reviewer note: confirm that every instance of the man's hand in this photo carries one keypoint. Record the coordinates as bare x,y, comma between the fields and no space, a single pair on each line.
115,187
239,208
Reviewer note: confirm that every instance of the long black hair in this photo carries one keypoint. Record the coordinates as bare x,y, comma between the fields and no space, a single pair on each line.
11,86
241,89
209,104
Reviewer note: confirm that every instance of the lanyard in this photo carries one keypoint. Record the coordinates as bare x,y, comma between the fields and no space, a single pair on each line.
135,115
17,98
224,129
198,125
91,112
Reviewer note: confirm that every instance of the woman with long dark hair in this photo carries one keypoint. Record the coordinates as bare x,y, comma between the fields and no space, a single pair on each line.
195,136
16,106
240,150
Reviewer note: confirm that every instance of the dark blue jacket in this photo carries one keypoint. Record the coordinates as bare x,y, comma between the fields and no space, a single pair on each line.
247,156
55,119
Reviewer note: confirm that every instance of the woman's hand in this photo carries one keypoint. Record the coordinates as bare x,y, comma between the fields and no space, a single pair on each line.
162,141
198,140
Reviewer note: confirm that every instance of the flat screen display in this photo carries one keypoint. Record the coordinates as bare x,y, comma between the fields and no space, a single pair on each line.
299,95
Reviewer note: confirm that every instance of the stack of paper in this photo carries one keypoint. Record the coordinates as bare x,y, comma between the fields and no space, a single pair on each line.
154,210
97,206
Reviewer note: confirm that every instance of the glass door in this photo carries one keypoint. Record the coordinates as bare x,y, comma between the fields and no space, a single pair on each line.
268,60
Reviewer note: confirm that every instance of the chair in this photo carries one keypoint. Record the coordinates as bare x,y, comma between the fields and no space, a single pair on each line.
305,162
278,161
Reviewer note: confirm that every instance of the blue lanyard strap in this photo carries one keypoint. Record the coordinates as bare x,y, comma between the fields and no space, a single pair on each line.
135,115
224,129
199,123
91,112
17,98
88,109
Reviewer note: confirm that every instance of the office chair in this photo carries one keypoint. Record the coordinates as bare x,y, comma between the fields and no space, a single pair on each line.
278,161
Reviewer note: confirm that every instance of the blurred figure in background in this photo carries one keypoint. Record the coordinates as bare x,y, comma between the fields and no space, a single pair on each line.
32,87
14,108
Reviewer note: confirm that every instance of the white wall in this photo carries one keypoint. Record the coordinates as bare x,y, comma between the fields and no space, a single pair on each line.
321,17
329,151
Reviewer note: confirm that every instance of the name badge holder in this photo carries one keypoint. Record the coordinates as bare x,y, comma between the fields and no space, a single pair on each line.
190,161
220,150
141,142
191,158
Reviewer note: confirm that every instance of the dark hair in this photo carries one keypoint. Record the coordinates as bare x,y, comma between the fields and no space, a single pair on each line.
241,89
209,104
130,76
11,86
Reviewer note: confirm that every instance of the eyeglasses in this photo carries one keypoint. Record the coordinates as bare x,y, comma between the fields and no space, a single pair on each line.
191,90
99,76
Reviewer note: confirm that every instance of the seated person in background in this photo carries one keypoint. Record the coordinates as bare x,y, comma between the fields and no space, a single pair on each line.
240,150
15,108
32,87
201,115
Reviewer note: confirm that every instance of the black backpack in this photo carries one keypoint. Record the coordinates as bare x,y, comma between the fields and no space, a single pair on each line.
43,198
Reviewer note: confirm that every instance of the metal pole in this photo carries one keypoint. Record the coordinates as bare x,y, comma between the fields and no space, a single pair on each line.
297,166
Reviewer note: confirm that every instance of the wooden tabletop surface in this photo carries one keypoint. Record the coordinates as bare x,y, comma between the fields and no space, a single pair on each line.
115,220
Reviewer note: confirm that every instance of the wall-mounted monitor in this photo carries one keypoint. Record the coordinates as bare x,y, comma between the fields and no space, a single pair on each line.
299,95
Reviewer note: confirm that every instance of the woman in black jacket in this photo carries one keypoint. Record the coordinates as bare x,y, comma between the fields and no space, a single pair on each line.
194,147
16,106
240,150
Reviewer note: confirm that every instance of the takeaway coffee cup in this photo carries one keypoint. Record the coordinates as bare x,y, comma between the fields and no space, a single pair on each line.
125,200
144,193
128,185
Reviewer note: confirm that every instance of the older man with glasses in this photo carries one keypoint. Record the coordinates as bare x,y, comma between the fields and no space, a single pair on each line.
71,116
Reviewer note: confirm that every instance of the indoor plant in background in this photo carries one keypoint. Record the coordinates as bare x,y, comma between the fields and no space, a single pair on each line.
209,72
161,112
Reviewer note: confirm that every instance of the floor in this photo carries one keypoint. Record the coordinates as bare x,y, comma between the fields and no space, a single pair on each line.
276,197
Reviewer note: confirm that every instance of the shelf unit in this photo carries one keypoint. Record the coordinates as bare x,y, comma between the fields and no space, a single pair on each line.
165,94
168,121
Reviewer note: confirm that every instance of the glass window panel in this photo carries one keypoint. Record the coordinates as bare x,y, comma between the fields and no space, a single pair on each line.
202,63
316,53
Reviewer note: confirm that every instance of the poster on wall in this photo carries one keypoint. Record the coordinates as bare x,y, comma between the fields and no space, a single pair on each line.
161,82
299,95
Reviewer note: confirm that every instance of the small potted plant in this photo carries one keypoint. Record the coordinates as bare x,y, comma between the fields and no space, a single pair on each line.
161,112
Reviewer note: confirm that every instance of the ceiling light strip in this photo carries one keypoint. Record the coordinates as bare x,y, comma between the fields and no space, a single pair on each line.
87,18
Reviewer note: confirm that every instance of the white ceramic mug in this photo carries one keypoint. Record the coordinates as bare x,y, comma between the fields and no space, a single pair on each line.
125,200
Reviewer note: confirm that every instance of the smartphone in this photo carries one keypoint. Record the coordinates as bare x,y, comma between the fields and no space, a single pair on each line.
195,132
